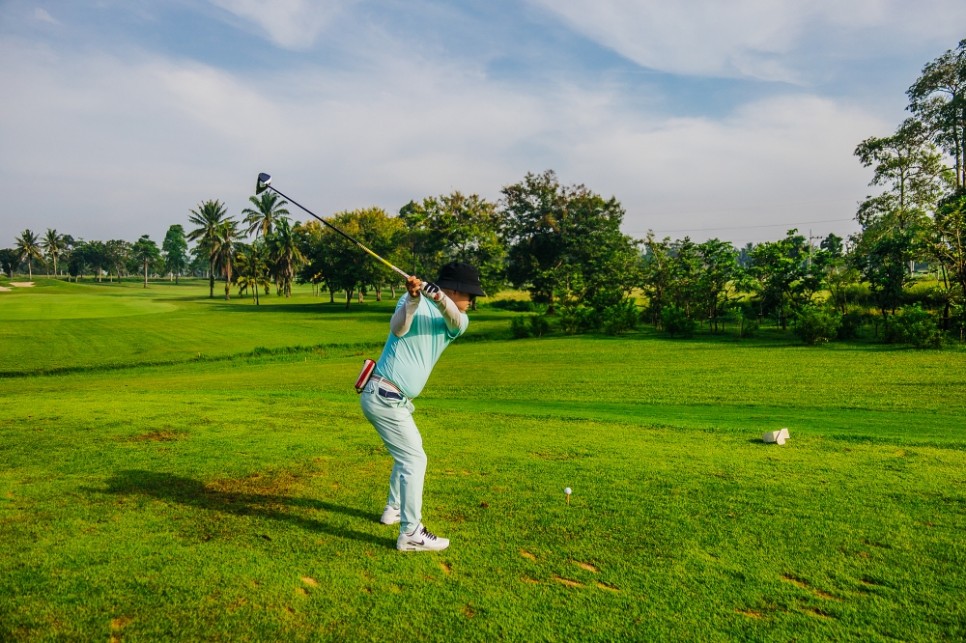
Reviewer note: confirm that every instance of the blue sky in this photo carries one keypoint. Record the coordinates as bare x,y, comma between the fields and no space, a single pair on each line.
704,118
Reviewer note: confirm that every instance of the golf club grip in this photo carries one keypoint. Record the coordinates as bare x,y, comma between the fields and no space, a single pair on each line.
399,271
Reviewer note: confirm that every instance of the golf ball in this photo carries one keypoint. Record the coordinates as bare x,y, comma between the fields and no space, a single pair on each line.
568,491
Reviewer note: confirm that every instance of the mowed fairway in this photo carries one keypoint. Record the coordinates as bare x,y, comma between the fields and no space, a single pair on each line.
149,493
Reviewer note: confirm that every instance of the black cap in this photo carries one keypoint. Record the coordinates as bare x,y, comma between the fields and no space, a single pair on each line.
461,277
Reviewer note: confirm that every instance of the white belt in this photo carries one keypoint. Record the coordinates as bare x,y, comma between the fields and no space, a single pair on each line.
385,388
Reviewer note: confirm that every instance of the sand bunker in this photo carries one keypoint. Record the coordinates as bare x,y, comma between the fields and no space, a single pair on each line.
22,284
2,289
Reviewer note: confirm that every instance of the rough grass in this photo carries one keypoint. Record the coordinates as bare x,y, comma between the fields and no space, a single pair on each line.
237,499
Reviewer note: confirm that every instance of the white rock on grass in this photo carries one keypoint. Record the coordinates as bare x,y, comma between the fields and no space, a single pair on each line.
777,437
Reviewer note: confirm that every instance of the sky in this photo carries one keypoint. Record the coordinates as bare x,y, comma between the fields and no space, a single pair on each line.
709,119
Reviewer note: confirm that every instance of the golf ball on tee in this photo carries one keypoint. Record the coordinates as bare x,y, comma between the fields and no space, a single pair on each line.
568,491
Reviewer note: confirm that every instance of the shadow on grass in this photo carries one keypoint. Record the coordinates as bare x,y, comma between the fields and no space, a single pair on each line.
194,493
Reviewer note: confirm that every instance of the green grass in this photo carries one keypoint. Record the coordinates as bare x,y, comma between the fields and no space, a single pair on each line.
149,495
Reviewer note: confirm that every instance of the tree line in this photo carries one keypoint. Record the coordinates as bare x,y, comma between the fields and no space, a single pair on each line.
905,270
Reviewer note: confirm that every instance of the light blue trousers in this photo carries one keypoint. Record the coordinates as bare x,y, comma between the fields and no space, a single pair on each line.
393,420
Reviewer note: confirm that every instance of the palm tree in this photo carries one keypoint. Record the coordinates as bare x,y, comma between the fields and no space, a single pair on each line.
223,249
28,249
251,270
54,244
208,217
285,256
267,213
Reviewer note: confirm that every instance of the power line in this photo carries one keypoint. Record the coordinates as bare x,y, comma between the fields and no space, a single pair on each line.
747,227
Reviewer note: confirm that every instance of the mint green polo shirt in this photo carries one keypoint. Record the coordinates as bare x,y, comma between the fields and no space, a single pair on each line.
407,361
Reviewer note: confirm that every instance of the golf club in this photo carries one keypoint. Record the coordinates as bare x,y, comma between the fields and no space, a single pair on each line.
265,183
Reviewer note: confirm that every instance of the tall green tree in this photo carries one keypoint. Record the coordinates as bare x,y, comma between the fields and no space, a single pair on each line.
656,275
174,249
910,169
777,270
947,246
346,267
88,255
284,255
251,269
223,245
208,218
28,249
54,247
310,239
719,270
8,261
454,227
896,223
565,243
685,276
118,253
938,98
884,264
146,253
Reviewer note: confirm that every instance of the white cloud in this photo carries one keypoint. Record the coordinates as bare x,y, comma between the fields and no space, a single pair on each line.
103,147
42,15
760,39
291,24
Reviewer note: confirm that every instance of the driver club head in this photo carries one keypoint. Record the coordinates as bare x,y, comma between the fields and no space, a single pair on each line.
264,180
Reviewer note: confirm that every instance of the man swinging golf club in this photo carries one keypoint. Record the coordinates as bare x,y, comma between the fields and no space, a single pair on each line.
428,317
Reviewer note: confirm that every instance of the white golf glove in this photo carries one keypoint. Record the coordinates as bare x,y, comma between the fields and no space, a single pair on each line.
433,291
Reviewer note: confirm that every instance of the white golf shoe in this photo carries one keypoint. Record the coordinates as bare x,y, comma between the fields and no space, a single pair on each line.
390,515
421,539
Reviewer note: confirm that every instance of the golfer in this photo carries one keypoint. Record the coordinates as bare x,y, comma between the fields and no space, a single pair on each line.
426,320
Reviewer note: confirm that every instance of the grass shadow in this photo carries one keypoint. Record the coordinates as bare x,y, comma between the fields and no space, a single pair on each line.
195,493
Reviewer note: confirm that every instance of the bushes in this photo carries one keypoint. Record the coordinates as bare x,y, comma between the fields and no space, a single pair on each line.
529,326
746,321
615,319
913,325
813,323
676,322
576,319
851,322
817,324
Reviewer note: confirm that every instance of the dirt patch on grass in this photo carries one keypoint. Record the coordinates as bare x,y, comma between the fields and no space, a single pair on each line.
161,435
277,484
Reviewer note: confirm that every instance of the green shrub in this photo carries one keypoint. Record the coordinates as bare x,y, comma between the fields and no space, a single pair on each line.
676,322
913,325
817,324
529,326
851,322
519,328
621,317
575,319
746,320
539,325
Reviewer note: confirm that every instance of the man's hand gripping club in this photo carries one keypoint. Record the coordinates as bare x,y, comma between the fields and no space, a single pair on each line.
417,286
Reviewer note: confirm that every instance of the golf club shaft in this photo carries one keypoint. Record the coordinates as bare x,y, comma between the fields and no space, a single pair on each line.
353,240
